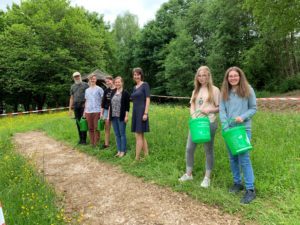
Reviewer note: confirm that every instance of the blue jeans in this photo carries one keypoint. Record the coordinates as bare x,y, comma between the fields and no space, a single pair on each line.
242,162
120,133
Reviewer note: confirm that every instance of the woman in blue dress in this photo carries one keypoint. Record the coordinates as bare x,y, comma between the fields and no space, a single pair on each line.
140,120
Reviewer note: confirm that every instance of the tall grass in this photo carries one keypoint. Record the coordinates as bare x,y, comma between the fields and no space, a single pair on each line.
275,159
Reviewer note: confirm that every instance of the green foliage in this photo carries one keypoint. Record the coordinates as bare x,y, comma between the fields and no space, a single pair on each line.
290,84
125,31
152,44
42,43
180,65
265,43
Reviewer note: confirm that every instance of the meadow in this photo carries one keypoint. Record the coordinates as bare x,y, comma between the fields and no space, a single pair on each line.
275,158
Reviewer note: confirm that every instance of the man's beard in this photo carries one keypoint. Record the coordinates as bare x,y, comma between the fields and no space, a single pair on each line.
78,81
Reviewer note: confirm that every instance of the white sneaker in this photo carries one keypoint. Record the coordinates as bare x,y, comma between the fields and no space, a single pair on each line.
185,177
205,183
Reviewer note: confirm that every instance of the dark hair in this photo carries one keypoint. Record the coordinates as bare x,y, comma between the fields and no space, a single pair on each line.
139,71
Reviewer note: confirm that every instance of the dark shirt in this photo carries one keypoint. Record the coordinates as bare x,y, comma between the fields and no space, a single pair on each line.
78,91
106,98
125,104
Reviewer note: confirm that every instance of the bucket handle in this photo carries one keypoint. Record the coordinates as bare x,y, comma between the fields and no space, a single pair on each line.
229,122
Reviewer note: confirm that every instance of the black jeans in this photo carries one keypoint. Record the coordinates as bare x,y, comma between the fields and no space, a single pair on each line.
78,111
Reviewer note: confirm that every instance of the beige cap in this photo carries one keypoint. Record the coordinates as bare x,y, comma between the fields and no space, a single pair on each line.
76,74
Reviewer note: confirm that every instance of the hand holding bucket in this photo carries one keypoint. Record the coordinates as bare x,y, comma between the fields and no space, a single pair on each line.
199,128
236,138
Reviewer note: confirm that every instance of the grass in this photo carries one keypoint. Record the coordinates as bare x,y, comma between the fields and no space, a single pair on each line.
275,159
26,197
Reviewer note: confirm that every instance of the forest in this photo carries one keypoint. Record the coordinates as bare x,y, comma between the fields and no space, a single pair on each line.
42,42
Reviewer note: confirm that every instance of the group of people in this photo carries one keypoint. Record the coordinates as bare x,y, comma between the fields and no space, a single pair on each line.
112,105
235,103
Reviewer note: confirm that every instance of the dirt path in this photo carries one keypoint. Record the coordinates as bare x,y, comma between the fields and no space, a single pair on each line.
105,195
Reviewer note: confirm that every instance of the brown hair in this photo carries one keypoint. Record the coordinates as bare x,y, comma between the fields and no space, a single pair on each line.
109,77
243,89
197,84
139,71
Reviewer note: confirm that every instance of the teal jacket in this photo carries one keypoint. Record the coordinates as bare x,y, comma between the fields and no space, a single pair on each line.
237,106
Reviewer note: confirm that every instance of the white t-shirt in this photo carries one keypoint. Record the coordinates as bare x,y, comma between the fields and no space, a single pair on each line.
93,97
202,103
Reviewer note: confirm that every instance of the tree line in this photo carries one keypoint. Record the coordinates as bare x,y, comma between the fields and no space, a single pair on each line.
44,41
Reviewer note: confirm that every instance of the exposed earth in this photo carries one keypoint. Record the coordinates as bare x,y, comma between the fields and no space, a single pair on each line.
104,195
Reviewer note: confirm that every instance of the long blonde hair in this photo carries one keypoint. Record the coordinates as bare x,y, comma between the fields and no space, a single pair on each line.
197,84
243,89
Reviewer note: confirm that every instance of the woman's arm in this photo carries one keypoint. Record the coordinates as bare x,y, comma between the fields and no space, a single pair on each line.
145,116
223,115
252,107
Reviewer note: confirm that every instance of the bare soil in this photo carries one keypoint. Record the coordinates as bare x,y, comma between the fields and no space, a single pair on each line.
104,195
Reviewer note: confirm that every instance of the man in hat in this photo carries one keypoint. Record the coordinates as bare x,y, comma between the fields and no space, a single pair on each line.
77,101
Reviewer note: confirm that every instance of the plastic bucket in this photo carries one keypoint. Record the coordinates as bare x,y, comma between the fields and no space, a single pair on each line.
100,124
237,140
83,125
200,129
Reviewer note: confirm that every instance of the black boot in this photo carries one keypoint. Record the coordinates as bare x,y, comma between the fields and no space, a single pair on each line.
83,138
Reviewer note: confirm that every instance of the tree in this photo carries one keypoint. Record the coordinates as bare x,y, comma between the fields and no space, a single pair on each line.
151,49
279,43
181,64
125,31
43,42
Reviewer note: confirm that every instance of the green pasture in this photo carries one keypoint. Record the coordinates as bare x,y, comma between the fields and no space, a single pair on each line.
275,158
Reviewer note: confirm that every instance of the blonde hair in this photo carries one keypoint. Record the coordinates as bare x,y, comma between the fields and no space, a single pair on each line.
197,84
91,76
243,89
119,78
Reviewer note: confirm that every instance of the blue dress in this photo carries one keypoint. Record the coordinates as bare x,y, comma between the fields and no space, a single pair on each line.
138,97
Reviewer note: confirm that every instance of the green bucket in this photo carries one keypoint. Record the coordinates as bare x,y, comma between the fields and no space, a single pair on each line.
83,125
237,140
200,129
100,125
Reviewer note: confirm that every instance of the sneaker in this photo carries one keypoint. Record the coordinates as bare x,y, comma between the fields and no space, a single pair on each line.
185,177
248,197
236,188
205,183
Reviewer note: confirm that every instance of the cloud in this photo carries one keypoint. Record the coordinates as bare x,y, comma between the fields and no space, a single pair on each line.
144,9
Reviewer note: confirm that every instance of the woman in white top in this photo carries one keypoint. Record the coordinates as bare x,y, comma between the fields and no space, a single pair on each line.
92,109
205,98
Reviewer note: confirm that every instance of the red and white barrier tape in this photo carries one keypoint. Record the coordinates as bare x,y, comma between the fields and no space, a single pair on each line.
171,97
2,221
157,96
258,99
276,99
32,112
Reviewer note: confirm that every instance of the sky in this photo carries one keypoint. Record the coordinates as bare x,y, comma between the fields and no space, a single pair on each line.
144,9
